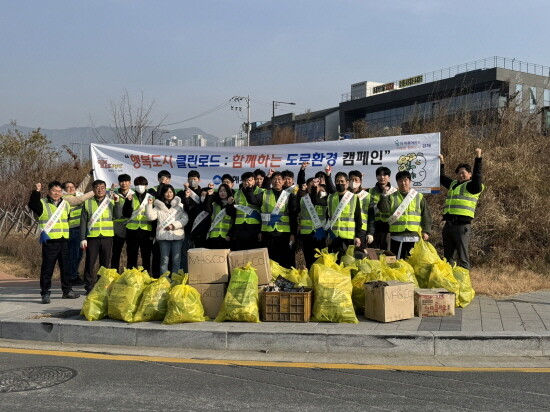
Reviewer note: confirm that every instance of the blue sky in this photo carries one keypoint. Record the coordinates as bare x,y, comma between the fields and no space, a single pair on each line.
63,61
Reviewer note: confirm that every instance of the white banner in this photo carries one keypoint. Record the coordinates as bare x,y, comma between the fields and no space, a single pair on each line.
417,154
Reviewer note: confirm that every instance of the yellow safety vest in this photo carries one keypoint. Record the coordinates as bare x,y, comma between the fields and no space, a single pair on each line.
241,217
268,204
306,224
412,216
344,227
140,221
61,228
459,201
365,204
104,225
74,215
222,228
375,198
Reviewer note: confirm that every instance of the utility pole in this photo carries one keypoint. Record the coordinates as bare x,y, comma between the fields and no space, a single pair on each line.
238,107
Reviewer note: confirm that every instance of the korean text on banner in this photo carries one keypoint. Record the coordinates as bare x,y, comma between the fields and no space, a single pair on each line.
417,154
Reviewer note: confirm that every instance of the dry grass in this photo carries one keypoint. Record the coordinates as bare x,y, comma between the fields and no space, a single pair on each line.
507,280
21,257
12,266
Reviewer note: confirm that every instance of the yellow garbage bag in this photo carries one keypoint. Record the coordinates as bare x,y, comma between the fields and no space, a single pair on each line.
367,266
277,270
332,296
358,291
441,276
96,303
325,258
126,293
349,258
179,278
154,302
241,299
300,277
467,292
184,305
423,256
400,271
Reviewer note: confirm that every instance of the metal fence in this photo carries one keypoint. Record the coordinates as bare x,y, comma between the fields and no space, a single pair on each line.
487,63
18,220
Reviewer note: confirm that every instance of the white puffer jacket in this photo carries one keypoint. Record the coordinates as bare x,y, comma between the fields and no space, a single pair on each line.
160,213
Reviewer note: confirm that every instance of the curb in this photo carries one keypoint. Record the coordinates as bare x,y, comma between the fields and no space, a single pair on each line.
279,337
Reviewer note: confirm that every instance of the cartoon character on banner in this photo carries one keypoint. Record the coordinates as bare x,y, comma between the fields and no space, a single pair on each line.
415,164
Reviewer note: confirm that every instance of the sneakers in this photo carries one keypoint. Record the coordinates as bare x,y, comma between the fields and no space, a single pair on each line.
70,295
46,299
77,282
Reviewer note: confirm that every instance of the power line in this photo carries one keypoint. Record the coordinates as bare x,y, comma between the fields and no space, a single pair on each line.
210,111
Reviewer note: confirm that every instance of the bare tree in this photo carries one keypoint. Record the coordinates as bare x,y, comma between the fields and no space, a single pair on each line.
131,123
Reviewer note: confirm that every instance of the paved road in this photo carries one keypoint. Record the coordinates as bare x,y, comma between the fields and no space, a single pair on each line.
107,384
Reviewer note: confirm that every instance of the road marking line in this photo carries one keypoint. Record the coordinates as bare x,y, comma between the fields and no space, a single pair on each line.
302,365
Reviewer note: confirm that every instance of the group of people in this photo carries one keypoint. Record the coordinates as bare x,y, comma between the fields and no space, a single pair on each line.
161,223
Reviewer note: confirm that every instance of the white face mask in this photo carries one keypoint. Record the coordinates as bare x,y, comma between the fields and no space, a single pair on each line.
141,189
322,194
193,183
356,185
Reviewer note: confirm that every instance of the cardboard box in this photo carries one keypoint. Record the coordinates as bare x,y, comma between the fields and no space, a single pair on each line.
434,302
259,258
374,254
389,301
207,265
212,295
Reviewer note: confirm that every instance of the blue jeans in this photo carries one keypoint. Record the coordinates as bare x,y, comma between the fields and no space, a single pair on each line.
168,247
75,253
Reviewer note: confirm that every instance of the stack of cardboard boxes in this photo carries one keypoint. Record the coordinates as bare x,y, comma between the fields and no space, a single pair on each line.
209,272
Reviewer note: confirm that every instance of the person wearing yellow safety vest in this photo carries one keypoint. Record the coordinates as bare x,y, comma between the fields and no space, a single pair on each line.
311,231
381,226
171,218
52,213
367,211
97,230
75,253
460,206
409,218
139,230
344,219
222,217
124,182
247,225
279,223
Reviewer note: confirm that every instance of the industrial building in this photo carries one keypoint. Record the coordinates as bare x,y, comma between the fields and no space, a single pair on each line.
480,86
308,127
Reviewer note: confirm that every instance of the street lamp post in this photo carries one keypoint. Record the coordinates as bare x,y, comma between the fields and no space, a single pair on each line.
275,104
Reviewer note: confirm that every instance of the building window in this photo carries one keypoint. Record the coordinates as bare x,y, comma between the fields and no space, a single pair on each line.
519,97
546,98
532,99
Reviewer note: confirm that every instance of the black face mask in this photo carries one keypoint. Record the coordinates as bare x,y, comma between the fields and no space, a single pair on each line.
340,187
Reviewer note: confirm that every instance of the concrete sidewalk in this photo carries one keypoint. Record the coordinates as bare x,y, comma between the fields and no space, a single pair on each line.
515,326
